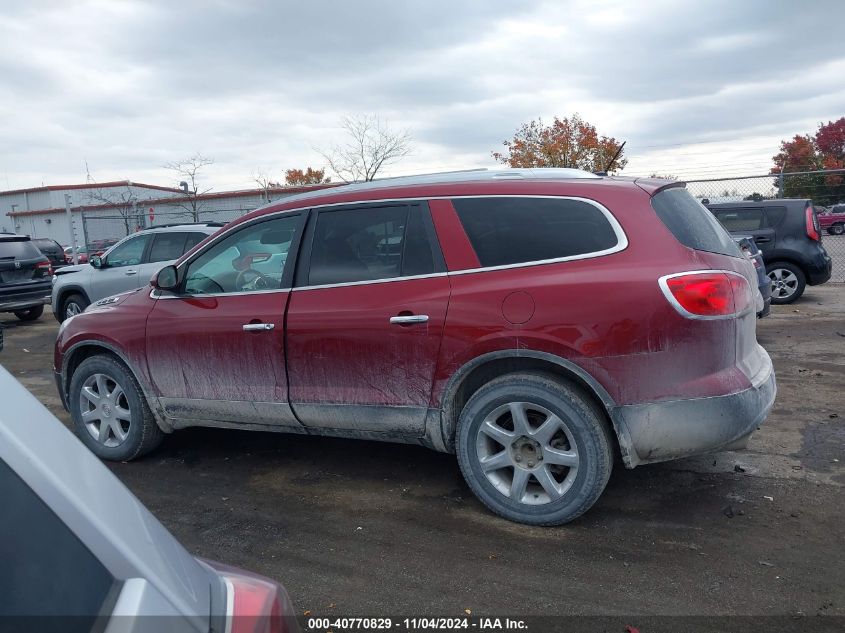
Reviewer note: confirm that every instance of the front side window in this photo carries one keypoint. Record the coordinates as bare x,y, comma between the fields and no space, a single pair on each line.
742,219
367,243
505,230
129,253
248,260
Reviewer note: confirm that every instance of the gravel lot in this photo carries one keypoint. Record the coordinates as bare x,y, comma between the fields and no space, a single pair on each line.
354,527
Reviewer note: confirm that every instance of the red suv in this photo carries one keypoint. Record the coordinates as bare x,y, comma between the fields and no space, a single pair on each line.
534,322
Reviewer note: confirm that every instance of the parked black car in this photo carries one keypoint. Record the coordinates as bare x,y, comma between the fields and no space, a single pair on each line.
52,249
788,234
764,285
25,275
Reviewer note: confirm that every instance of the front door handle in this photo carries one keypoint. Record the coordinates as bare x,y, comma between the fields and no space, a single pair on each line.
131,272
762,239
258,327
408,319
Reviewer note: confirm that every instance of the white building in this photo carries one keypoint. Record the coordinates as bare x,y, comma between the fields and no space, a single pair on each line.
112,210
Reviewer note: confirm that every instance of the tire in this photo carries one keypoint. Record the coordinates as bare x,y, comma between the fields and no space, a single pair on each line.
788,282
74,304
127,436
837,229
30,314
583,439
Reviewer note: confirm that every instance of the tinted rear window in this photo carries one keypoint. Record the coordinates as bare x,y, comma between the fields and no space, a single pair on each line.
47,571
519,230
18,249
775,215
691,223
47,245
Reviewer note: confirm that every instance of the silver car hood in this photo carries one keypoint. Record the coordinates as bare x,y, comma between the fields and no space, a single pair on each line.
112,523
73,268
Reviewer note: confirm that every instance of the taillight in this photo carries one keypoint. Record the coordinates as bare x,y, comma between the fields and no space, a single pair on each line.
710,294
812,229
754,260
45,268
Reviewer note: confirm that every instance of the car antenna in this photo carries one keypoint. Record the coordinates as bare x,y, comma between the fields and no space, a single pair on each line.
612,160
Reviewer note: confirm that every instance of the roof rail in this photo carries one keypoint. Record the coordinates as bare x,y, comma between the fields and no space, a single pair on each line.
171,225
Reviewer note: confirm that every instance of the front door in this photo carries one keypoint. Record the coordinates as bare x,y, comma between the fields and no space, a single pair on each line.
120,270
216,348
365,319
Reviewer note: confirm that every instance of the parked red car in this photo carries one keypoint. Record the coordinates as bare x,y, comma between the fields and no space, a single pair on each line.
833,221
534,322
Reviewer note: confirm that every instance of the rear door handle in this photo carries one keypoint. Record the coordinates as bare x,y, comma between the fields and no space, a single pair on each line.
258,327
411,318
131,272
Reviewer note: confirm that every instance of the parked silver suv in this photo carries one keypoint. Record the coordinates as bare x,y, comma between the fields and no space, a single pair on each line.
127,265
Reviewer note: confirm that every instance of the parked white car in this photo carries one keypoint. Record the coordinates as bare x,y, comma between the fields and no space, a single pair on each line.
127,265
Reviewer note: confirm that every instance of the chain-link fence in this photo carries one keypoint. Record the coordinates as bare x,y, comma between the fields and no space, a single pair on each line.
824,188
101,230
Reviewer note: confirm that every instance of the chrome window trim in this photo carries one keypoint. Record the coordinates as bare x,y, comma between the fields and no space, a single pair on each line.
156,294
621,237
664,287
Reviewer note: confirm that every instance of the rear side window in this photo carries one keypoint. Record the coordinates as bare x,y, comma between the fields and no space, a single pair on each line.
167,246
193,240
775,215
742,219
691,223
47,571
18,249
507,231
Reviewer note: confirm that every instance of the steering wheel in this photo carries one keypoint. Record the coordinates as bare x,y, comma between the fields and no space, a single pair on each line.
251,279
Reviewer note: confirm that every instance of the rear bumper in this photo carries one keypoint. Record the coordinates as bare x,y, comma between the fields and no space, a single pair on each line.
819,271
661,431
24,300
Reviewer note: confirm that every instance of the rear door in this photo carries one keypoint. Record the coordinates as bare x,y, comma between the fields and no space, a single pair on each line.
365,319
121,269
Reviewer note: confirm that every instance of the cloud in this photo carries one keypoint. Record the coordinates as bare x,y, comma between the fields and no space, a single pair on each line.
131,85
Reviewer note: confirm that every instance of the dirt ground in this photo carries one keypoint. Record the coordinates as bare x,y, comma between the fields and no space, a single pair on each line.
355,527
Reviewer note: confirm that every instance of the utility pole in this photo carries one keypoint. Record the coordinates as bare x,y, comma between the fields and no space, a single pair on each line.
69,217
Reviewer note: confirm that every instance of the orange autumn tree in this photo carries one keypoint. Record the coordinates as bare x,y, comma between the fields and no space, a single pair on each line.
308,177
567,142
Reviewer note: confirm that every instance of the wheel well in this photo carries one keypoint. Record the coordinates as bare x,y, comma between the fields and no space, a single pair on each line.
484,373
66,292
786,260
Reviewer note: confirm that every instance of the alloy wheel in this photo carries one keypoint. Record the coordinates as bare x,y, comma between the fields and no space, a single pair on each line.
105,410
72,309
784,283
527,453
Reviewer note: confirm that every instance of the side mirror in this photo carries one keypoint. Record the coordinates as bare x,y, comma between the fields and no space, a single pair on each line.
95,261
165,279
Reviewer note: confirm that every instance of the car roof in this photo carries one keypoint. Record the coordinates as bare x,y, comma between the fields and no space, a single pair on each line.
109,520
205,227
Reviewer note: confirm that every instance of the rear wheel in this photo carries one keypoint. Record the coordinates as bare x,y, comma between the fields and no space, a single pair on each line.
534,449
110,413
31,314
74,304
837,229
788,282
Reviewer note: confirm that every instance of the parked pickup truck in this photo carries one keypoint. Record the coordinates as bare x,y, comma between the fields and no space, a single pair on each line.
833,221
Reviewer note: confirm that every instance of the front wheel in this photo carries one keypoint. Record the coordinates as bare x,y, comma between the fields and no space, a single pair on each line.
31,314
110,413
788,282
534,449
73,305
837,229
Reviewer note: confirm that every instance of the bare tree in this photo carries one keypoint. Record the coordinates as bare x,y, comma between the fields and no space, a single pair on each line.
370,145
189,171
121,199
265,182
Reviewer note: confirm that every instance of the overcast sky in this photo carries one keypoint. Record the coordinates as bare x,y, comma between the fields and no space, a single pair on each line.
696,89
